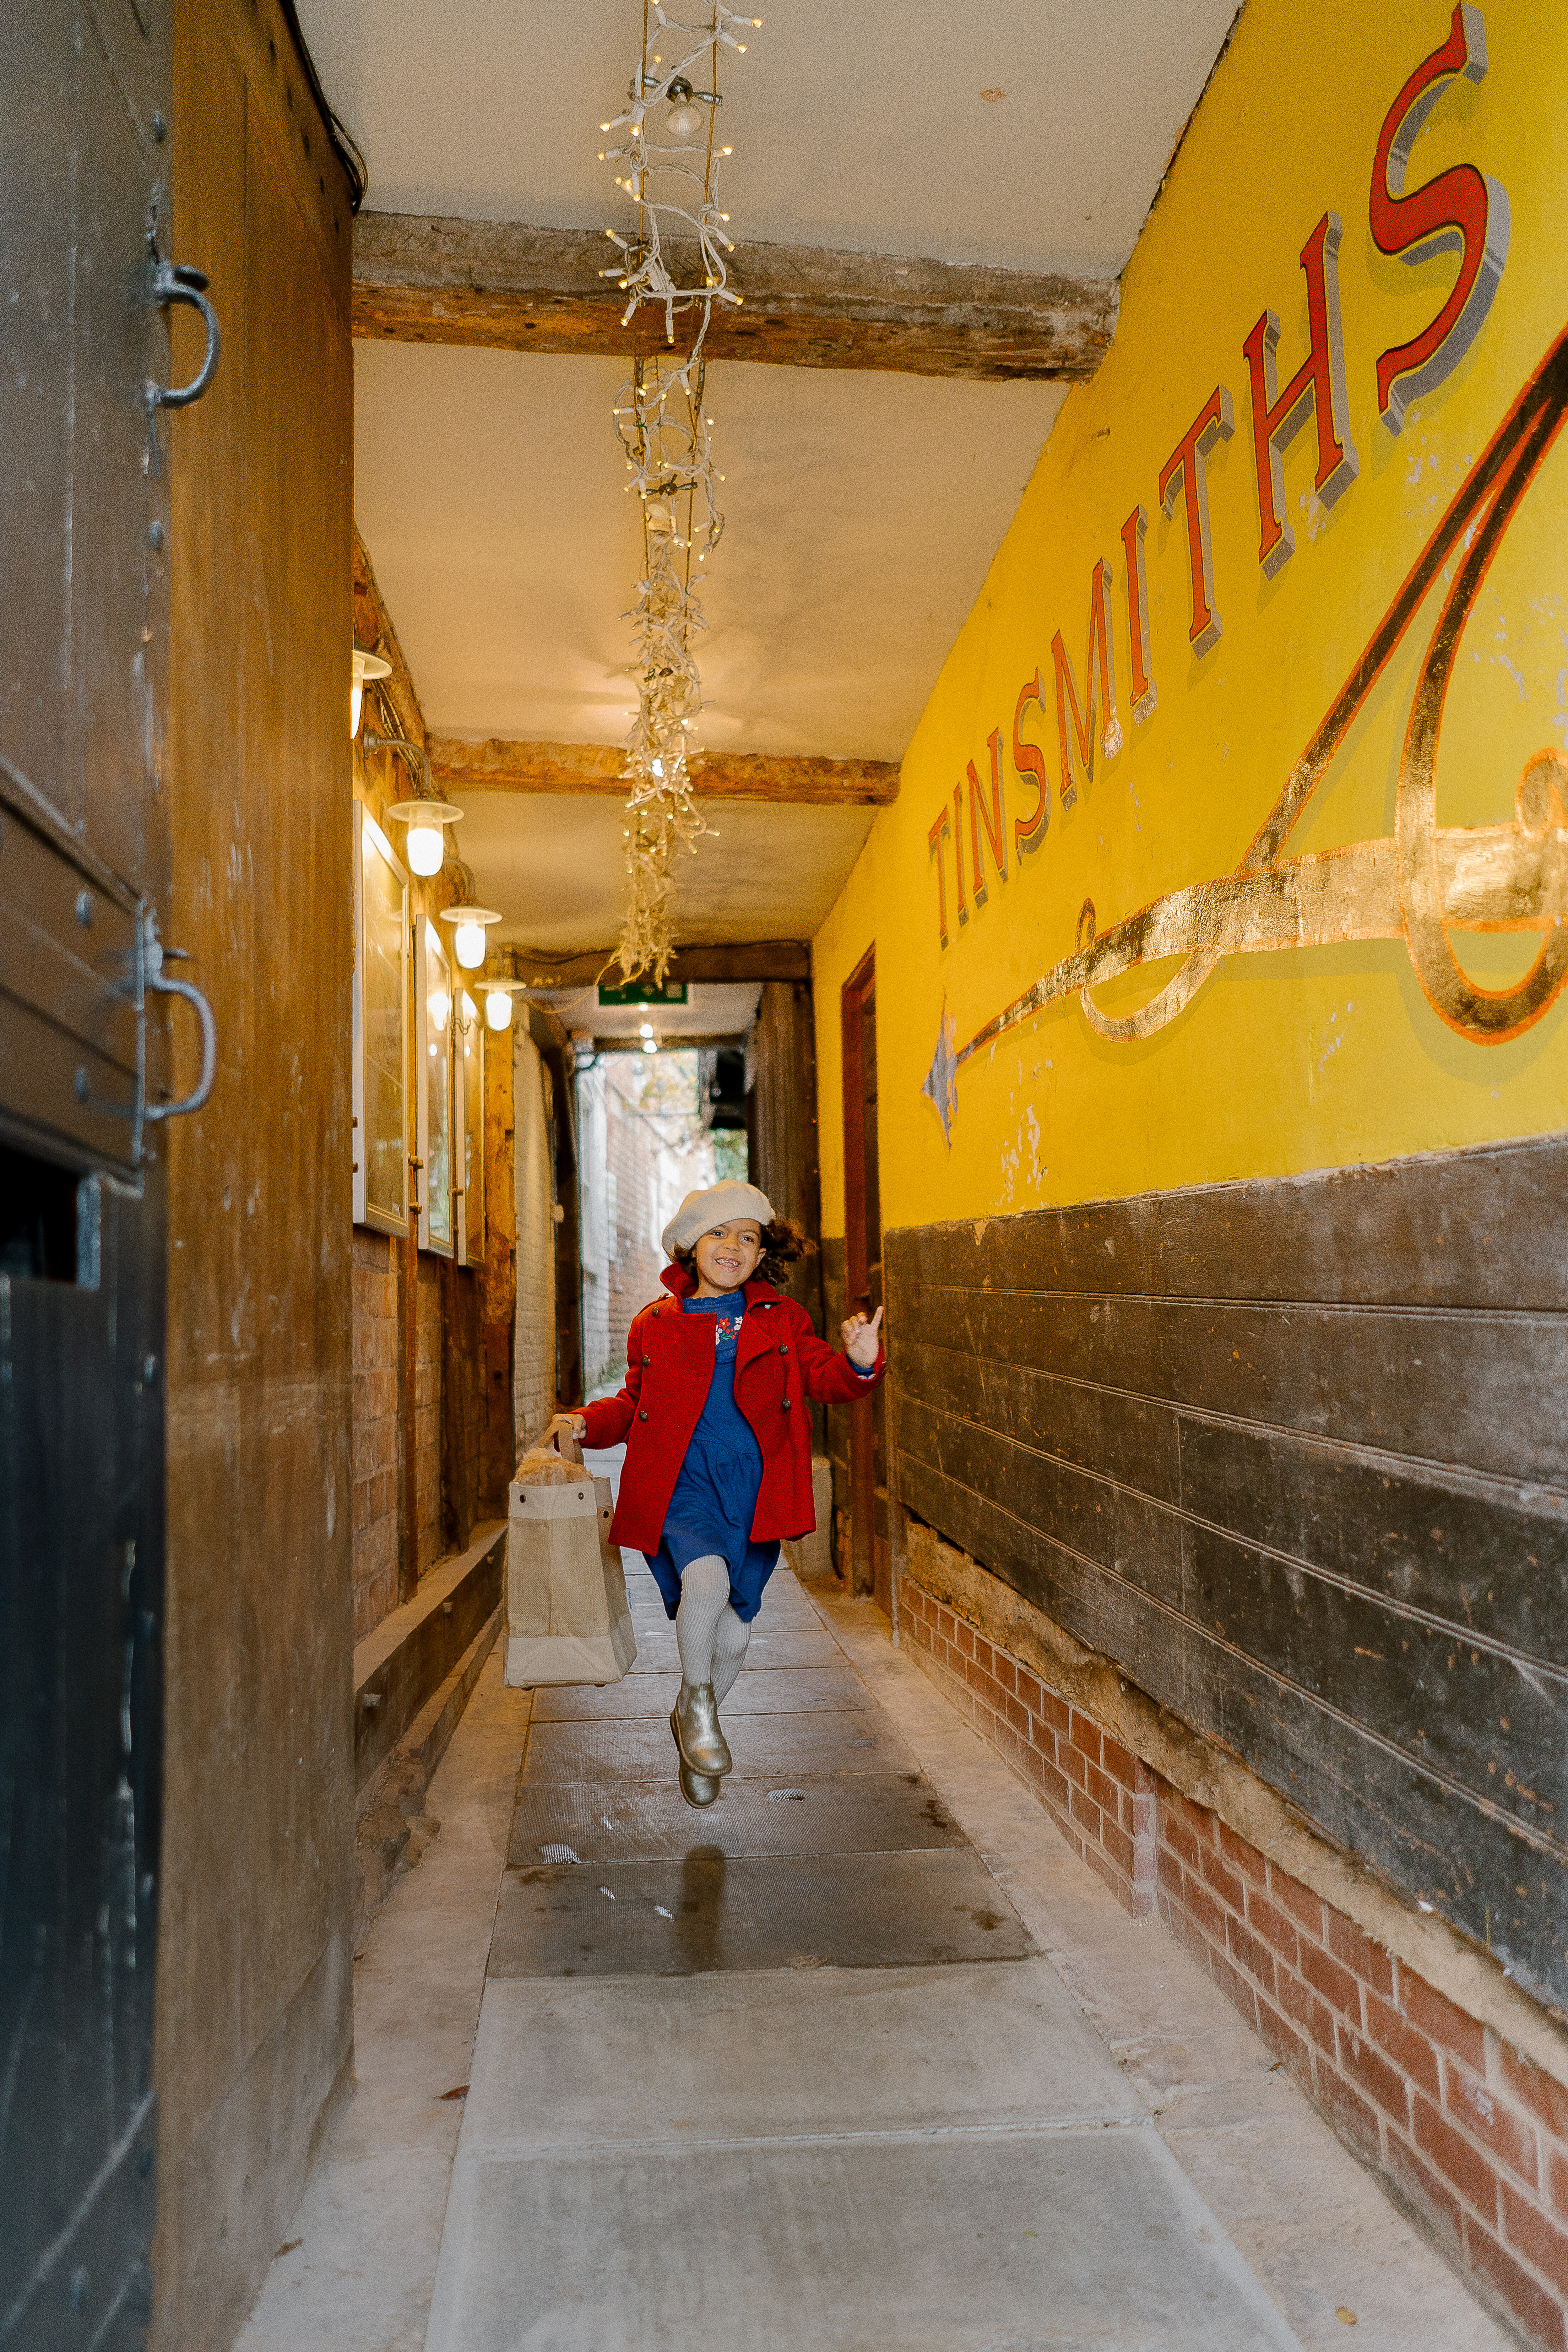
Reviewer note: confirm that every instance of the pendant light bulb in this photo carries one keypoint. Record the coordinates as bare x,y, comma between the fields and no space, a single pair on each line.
685,117
469,943
498,1008
426,847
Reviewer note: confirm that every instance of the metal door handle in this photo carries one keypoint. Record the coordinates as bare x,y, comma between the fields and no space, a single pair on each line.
157,978
174,281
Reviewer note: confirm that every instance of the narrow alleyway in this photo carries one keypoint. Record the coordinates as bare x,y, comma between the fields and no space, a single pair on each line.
865,2058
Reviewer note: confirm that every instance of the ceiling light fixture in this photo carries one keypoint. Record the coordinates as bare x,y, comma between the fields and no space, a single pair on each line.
664,433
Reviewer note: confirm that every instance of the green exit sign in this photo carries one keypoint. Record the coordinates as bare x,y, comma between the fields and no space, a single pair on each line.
645,991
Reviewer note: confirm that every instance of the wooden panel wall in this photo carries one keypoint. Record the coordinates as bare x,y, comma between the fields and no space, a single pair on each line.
1295,1454
254,1971
781,1120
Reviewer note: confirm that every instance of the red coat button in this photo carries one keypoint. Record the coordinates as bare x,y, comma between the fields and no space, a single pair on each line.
648,1359
642,1413
788,1401
783,1347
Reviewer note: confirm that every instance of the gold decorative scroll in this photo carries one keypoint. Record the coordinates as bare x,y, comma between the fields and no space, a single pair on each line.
1425,882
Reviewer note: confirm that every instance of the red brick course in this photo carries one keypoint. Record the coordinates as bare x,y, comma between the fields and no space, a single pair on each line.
1468,2133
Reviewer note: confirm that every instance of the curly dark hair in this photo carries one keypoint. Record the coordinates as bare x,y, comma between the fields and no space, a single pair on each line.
783,1243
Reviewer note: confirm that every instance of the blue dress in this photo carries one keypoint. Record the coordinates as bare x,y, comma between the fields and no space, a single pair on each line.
715,1496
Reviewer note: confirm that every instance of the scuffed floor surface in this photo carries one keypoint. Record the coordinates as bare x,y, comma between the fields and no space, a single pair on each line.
863,2060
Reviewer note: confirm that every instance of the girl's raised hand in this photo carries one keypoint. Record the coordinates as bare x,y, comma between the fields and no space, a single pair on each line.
860,1340
570,1424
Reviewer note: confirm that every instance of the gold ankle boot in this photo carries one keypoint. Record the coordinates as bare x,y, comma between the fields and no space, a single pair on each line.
698,1788
695,1723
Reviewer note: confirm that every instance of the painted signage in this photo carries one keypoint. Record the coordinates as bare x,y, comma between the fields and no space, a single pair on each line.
1422,882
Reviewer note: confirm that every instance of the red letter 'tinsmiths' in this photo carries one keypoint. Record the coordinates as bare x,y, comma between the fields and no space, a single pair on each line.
1029,832
1185,468
1315,390
941,830
1462,211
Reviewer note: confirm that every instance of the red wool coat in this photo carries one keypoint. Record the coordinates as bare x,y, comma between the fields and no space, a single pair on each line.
780,1363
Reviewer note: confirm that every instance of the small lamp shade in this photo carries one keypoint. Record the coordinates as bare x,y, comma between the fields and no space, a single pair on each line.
498,1008
427,838
366,665
469,927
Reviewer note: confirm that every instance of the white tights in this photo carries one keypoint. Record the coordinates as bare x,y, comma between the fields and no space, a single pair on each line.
713,1639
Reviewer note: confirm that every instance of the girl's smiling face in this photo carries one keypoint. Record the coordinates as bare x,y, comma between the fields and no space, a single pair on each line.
727,1255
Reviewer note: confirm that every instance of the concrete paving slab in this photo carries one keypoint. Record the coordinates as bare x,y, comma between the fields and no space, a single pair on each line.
658,1653
1318,2230
707,1912
781,1690
605,2063
771,1747
959,2242
647,1821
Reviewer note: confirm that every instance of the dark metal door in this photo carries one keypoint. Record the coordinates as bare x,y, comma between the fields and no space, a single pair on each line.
84,441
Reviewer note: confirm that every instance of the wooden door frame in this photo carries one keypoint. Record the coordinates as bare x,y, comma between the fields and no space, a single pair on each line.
860,984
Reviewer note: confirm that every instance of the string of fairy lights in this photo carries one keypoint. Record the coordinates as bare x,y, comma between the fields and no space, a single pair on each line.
677,260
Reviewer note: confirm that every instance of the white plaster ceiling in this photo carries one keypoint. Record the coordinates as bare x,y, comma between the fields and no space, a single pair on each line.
861,514
552,866
860,126
862,511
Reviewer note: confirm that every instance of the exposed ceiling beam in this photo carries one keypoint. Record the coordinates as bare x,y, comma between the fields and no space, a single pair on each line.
498,766
423,278
747,960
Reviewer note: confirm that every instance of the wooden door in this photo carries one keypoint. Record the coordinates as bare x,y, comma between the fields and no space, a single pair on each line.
863,1278
85,439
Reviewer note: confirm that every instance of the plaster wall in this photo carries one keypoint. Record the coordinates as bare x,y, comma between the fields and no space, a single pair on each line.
1289,1057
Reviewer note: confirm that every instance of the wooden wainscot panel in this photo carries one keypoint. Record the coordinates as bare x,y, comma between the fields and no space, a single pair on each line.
1329,1533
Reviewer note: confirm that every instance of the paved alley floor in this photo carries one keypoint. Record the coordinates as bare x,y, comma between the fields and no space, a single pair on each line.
861,2060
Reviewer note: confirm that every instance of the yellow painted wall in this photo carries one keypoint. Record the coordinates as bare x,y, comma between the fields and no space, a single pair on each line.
1312,1056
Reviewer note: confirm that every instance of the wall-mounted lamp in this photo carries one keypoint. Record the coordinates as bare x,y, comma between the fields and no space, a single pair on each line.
366,665
425,816
497,995
426,822
468,932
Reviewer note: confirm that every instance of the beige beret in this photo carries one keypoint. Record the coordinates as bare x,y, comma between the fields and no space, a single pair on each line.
721,1204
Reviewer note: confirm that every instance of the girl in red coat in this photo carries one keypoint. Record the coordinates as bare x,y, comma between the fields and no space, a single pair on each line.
717,1467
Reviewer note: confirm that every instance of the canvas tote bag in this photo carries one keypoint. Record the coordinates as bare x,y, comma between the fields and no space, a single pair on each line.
566,1615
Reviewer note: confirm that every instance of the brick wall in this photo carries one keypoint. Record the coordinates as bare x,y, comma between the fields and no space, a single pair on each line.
378,1429
1468,2135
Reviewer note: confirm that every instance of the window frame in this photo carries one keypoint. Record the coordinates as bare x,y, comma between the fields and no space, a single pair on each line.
430,949
369,839
469,1129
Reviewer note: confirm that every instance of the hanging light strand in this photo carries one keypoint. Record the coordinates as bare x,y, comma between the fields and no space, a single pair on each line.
670,172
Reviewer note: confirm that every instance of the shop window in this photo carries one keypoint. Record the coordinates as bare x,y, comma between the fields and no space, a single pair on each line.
433,1091
380,1041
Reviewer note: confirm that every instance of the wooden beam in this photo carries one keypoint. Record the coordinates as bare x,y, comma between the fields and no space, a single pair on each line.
498,766
745,960
423,278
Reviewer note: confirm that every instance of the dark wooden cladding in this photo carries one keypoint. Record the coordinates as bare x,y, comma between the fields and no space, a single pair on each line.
1319,1509
1480,1228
